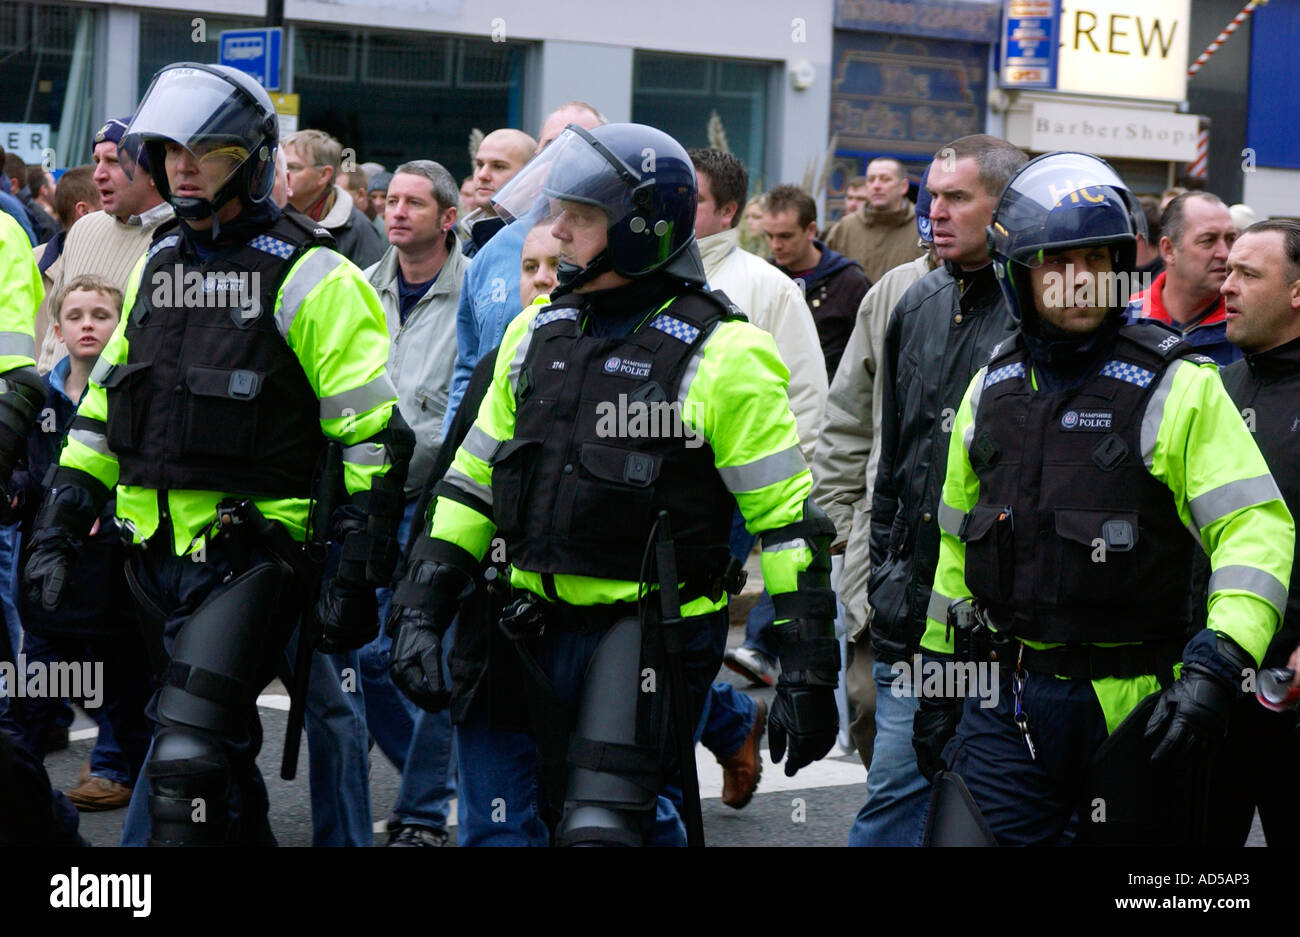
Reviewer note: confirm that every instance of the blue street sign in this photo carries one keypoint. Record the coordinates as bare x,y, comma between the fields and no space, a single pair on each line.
1030,34
255,52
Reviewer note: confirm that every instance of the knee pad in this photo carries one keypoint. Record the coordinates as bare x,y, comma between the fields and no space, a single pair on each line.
616,750
190,775
214,674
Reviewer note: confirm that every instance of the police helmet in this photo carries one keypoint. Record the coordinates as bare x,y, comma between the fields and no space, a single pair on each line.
1060,202
222,116
640,177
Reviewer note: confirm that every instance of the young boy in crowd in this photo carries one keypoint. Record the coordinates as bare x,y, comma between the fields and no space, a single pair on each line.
94,628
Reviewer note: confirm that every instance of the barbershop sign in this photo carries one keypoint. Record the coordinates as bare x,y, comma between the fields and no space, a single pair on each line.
1113,131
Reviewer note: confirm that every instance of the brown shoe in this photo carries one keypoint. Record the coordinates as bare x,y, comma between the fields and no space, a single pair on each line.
740,772
99,794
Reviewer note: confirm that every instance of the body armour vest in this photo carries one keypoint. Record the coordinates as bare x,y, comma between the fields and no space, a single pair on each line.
1073,539
211,397
600,447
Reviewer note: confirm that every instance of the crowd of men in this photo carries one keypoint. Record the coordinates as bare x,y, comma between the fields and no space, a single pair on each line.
1016,417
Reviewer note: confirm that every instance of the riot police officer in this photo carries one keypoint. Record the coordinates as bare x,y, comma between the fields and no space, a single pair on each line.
559,465
247,351
1082,454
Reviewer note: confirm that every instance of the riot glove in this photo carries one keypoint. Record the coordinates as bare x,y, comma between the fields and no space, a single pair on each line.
347,610
804,712
933,725
63,522
1192,713
424,604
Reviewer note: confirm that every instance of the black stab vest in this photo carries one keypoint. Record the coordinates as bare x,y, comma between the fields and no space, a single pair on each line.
1073,539
600,448
211,397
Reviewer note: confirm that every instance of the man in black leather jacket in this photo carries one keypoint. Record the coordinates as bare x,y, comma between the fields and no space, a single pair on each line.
940,333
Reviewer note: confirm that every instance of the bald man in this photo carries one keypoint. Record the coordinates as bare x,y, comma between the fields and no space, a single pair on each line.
501,154
489,296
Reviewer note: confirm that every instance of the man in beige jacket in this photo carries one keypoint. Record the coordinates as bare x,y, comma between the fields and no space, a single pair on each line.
844,468
881,234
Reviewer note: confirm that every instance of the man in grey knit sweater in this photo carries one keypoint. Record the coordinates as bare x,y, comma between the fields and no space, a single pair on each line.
108,242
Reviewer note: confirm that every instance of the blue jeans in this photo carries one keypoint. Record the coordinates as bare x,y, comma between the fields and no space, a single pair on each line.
419,744
338,750
757,635
10,535
500,787
728,714
898,795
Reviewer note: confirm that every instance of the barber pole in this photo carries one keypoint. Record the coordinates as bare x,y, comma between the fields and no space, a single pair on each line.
1222,37
1197,168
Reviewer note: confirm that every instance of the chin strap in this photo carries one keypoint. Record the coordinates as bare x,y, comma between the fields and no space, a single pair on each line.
570,276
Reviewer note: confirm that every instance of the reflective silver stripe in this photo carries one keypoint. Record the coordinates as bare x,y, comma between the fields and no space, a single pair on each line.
479,444
1234,496
366,453
1249,579
17,343
794,544
462,481
1156,411
92,440
517,362
760,473
950,519
358,399
305,279
100,370
938,607
968,434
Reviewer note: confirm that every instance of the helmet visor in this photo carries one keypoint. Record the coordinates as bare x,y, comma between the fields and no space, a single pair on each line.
200,111
1061,202
571,169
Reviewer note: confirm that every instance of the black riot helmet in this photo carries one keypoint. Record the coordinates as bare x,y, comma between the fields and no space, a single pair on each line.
639,176
1060,202
222,116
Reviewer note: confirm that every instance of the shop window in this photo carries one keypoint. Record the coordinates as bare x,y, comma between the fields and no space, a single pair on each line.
678,93
393,96
46,54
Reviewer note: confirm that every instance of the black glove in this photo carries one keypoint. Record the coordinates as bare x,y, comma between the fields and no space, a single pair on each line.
804,711
64,520
423,606
22,393
933,725
347,610
1192,713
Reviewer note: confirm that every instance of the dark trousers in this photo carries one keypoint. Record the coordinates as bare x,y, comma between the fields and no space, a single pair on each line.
178,586
1029,801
